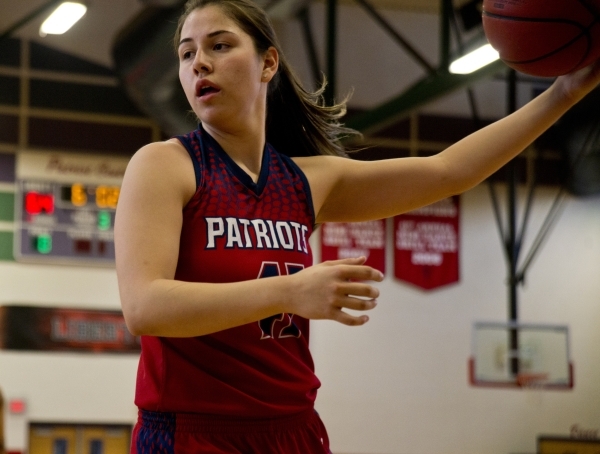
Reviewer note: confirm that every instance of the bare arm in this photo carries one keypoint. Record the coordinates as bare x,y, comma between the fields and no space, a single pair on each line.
348,190
157,184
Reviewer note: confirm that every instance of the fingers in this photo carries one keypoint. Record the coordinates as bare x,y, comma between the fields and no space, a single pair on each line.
354,304
353,273
360,273
358,289
347,261
354,270
350,320
338,285
357,304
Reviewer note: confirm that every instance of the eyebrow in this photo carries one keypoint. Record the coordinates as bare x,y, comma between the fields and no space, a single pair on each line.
210,35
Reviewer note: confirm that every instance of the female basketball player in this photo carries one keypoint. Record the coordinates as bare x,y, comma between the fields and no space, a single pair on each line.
214,267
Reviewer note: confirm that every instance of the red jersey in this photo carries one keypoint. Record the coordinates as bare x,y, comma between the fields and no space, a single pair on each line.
235,230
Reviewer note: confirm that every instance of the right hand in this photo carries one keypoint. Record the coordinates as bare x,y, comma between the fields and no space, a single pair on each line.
322,291
576,85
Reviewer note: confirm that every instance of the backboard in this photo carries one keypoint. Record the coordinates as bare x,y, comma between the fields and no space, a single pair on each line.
519,355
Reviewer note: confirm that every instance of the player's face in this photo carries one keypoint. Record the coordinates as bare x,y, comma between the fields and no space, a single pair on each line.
220,70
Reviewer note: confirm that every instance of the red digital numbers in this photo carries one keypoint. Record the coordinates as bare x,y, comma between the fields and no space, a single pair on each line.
36,203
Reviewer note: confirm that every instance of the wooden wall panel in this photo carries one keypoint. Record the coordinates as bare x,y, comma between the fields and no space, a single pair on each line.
77,135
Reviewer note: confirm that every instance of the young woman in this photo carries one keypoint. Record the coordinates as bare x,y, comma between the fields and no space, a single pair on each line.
214,267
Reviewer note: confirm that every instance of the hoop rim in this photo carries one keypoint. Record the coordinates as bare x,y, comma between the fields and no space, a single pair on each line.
537,383
532,380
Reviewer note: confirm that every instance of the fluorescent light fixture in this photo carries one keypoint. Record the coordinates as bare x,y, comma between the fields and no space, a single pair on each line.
471,62
63,18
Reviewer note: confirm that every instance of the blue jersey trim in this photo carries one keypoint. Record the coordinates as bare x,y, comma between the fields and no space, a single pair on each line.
156,434
186,142
238,172
302,176
258,187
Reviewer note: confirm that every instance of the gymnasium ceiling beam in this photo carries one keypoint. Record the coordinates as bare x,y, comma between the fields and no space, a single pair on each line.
437,83
396,36
157,92
25,20
424,91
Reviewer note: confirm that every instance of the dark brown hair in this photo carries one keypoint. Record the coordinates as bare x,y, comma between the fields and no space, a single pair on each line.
299,123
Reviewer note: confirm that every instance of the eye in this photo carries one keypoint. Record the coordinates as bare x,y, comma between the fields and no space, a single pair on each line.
220,46
187,54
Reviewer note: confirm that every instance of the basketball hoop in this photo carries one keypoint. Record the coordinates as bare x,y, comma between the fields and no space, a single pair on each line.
520,355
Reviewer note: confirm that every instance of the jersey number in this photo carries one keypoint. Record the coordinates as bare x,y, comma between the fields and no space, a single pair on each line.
268,325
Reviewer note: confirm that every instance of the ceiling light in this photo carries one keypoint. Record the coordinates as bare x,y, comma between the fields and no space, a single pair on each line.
471,62
63,18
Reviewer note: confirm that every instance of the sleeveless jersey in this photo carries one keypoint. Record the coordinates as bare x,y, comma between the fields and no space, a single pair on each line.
235,230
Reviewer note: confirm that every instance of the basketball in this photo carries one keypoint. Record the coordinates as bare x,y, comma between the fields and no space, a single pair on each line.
546,38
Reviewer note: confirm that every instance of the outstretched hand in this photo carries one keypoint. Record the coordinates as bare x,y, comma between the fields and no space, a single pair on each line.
324,290
579,83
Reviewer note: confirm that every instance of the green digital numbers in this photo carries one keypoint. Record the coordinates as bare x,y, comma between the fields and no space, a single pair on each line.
104,220
43,243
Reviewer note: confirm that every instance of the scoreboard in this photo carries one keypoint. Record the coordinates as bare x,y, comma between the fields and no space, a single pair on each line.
65,207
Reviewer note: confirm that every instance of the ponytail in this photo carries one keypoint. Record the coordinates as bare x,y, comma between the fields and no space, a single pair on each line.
299,123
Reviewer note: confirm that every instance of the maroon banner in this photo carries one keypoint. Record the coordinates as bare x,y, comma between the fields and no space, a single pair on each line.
61,329
340,240
427,245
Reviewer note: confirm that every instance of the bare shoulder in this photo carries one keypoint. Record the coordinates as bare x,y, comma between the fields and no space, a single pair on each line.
162,165
158,183
164,156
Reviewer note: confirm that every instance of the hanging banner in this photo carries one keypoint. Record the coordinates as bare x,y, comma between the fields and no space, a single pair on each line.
340,240
426,245
61,329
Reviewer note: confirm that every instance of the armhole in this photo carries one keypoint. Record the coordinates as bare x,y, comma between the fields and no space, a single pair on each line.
306,185
195,159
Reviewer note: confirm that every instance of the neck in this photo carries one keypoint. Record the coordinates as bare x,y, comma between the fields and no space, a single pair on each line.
245,145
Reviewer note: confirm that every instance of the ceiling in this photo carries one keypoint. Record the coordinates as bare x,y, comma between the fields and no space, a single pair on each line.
91,38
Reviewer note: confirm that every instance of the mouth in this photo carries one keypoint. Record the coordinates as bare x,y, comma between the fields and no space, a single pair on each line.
206,88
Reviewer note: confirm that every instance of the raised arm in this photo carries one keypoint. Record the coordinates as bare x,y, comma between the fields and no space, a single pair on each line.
158,183
348,190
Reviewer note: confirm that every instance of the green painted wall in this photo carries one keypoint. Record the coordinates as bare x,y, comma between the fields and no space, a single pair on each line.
7,206
6,246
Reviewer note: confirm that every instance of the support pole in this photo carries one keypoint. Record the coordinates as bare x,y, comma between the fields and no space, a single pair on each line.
446,11
309,42
512,248
511,245
331,51
512,237
445,44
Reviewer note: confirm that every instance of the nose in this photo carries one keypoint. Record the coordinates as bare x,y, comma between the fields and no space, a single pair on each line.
201,63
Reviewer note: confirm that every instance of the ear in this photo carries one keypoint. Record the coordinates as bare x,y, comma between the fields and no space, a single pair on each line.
270,64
